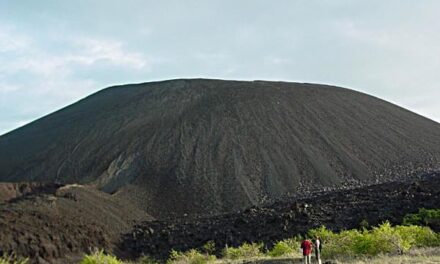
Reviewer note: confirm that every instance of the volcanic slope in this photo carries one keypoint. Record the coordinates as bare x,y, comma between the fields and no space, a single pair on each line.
59,223
196,146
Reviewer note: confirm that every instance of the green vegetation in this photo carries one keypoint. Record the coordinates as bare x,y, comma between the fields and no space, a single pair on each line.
209,247
8,259
424,217
99,257
417,256
286,247
192,256
244,251
146,260
358,245
379,240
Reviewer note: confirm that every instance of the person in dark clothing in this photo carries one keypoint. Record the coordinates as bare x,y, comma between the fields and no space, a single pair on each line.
317,244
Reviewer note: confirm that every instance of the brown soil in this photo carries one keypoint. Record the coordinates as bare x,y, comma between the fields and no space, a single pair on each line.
11,191
62,225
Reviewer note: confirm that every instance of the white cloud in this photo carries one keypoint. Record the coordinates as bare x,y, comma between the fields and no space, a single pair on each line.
11,40
95,50
6,88
84,51
30,70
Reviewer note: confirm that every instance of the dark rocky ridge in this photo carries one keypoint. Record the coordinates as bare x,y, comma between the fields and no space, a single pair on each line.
210,146
336,210
58,224
12,191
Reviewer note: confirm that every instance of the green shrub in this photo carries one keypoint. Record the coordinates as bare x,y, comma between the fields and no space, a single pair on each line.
147,260
192,256
418,236
363,243
364,224
12,259
412,219
423,217
99,257
282,248
324,233
244,251
382,239
209,247
8,259
334,244
286,247
386,239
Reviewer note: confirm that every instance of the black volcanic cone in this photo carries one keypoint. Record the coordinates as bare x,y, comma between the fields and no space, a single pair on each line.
209,146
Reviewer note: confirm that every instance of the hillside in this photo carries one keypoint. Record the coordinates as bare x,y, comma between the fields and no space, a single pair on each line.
337,210
210,146
49,222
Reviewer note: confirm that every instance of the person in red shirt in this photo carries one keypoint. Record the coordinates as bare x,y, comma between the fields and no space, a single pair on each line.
306,246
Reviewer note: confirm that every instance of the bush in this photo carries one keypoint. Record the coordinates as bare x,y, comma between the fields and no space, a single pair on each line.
379,240
282,248
324,233
244,251
192,257
334,244
385,239
424,217
147,260
99,257
209,247
364,224
8,259
418,236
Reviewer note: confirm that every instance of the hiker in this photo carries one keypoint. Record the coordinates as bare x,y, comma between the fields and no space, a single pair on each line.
317,244
306,246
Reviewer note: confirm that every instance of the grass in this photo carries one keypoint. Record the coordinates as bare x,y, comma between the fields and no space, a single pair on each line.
426,255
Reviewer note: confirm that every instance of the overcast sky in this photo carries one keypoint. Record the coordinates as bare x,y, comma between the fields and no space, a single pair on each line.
53,53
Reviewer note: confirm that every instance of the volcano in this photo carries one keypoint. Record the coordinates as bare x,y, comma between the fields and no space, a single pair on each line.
199,146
